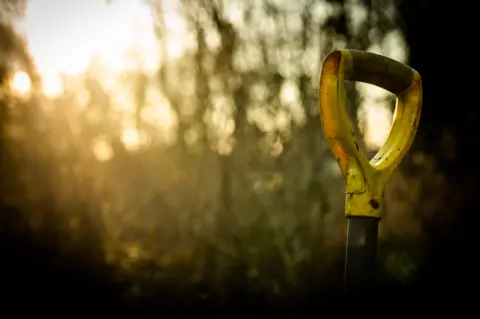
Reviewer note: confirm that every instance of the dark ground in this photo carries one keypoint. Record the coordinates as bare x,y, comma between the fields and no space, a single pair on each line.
36,277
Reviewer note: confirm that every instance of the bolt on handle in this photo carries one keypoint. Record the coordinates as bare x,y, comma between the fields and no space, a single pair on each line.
365,180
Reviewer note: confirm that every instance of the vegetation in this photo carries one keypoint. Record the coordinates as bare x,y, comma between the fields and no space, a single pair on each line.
208,180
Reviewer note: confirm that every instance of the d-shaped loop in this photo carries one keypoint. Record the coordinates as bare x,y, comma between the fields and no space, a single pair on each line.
365,180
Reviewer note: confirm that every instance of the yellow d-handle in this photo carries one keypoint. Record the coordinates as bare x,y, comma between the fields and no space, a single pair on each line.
365,180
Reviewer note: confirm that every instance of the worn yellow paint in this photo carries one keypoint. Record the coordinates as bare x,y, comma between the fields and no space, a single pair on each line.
366,180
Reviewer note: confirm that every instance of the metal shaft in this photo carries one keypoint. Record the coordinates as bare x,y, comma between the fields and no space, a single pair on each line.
361,253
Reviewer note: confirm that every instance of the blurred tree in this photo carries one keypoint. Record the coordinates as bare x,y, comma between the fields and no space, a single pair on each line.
231,188
254,69
46,244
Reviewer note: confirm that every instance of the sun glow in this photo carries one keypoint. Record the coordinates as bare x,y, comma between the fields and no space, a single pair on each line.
67,37
21,83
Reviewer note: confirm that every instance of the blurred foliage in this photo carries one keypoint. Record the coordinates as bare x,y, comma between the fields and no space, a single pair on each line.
237,192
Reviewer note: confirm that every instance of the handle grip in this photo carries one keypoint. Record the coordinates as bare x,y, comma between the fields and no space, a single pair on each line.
378,70
367,179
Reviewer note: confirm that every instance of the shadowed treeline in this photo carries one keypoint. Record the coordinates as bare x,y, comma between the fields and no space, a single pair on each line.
206,183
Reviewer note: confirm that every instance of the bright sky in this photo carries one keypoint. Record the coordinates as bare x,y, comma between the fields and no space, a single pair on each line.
78,29
64,35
